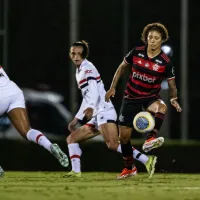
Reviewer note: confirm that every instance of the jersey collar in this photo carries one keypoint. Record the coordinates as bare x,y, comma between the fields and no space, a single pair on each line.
83,63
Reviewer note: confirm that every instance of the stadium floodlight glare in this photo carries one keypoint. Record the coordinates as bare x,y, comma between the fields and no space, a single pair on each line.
167,50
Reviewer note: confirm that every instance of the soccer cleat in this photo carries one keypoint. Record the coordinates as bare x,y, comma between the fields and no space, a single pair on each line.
73,174
152,143
1,172
150,165
127,173
58,153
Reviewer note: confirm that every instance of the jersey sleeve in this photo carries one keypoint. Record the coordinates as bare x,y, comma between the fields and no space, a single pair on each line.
170,71
80,115
128,59
89,88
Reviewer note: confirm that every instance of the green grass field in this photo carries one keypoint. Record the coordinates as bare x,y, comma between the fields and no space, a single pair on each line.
98,186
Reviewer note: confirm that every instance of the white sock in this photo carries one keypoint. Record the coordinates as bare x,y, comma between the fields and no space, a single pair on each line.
75,155
136,155
38,138
139,156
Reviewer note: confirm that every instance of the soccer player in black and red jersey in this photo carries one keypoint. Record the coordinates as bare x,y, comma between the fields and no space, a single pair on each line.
149,66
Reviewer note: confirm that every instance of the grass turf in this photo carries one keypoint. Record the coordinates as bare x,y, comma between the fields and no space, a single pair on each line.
98,186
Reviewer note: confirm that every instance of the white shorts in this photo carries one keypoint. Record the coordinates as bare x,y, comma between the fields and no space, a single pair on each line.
103,117
11,96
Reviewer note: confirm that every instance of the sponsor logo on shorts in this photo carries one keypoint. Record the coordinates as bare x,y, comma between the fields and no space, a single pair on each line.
173,71
121,118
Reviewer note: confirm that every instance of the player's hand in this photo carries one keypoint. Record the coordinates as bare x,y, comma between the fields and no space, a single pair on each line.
176,105
110,93
88,113
72,125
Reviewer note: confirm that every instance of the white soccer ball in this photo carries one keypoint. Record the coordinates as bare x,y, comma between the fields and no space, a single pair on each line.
144,122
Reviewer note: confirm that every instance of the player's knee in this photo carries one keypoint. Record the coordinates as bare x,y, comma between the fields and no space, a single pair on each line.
112,145
123,139
70,139
162,108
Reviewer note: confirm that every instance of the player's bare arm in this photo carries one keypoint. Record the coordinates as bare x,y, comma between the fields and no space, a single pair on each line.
117,76
119,73
172,88
72,124
173,94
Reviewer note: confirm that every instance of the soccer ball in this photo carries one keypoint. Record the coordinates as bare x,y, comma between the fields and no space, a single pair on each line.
144,122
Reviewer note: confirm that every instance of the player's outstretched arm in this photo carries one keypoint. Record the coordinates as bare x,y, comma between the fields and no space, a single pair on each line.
173,95
117,76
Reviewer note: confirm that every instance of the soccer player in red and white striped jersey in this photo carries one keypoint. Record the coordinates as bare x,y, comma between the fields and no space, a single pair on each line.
149,66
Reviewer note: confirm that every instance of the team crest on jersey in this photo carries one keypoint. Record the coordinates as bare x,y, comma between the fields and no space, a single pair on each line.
146,65
88,71
156,67
139,61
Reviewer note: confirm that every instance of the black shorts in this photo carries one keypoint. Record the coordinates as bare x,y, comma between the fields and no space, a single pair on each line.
130,108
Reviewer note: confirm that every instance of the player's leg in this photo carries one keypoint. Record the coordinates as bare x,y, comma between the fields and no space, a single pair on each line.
109,130
158,108
85,132
127,153
106,121
128,110
149,161
110,134
19,118
4,102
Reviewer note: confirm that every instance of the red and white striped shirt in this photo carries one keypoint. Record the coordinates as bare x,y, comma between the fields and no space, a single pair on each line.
92,89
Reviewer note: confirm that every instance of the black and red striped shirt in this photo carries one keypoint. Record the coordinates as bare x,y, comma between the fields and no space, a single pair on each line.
147,73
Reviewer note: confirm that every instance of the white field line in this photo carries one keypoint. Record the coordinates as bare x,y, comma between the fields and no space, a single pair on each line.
165,188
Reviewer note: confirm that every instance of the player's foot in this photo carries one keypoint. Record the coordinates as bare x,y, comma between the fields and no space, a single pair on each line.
73,174
152,143
1,172
60,155
127,173
150,165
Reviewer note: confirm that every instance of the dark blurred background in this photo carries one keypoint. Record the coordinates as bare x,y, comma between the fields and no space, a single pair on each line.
36,37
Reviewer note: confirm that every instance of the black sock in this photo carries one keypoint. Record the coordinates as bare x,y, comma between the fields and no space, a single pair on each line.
127,153
159,117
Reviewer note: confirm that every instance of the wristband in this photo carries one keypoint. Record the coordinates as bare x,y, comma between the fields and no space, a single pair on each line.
173,99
